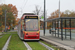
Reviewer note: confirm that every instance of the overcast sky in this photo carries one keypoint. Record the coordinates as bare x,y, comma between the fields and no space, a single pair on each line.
51,5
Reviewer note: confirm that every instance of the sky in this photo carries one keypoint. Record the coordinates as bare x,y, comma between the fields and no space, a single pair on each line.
24,6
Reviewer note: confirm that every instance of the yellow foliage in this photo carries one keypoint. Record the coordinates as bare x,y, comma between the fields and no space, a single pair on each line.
3,27
1,11
0,8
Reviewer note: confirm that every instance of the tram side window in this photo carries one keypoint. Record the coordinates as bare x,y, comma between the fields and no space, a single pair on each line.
23,25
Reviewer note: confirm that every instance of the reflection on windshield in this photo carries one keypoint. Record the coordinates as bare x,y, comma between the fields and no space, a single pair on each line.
31,24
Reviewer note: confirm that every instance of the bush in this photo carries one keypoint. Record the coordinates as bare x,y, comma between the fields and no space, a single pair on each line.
8,30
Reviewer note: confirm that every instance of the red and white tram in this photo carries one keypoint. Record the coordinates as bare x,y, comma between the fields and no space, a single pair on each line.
29,27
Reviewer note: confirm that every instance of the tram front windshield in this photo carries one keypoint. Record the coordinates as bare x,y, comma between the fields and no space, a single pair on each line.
31,24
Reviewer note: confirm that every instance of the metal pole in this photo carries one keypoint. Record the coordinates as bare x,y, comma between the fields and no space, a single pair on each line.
70,28
58,27
1,21
44,17
11,24
5,20
52,28
55,28
65,28
59,13
59,8
61,29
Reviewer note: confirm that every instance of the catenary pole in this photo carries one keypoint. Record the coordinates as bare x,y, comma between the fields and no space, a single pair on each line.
59,13
44,16
59,8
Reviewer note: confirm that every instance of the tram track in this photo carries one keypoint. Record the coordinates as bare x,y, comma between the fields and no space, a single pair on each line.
49,48
28,47
44,45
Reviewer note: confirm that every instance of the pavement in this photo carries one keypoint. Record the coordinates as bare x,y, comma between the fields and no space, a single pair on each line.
0,33
65,43
6,44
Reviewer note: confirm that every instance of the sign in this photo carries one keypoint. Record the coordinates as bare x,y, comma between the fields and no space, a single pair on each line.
31,17
42,17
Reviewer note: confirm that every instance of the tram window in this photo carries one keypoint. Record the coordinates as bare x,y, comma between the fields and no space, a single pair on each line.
31,24
23,23
24,27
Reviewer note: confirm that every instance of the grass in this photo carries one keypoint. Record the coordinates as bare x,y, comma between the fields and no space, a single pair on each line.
11,32
3,40
36,46
0,32
54,47
16,43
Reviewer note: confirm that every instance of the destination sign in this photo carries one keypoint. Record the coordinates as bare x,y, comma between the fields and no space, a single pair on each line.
31,17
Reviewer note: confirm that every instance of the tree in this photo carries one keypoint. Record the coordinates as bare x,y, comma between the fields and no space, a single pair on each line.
66,13
11,14
17,20
1,11
55,14
13,10
37,10
0,18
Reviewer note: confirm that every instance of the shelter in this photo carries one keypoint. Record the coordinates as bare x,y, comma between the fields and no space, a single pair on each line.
61,25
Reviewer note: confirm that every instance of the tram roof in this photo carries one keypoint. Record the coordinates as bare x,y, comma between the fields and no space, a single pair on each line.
28,14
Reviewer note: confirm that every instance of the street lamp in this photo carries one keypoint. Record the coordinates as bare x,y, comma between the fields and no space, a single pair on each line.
5,20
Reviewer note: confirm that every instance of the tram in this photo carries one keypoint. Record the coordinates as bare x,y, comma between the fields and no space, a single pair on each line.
29,27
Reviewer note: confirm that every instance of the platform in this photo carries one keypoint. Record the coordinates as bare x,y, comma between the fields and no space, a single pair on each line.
65,43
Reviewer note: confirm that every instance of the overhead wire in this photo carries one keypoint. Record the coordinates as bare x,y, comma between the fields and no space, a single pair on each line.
25,4
22,6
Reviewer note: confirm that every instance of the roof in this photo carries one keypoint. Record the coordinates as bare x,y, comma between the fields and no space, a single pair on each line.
59,18
28,14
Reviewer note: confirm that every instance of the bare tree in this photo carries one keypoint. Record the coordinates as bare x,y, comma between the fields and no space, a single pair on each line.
37,10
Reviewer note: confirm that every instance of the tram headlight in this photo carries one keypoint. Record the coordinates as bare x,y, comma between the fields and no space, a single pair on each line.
36,33
26,33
